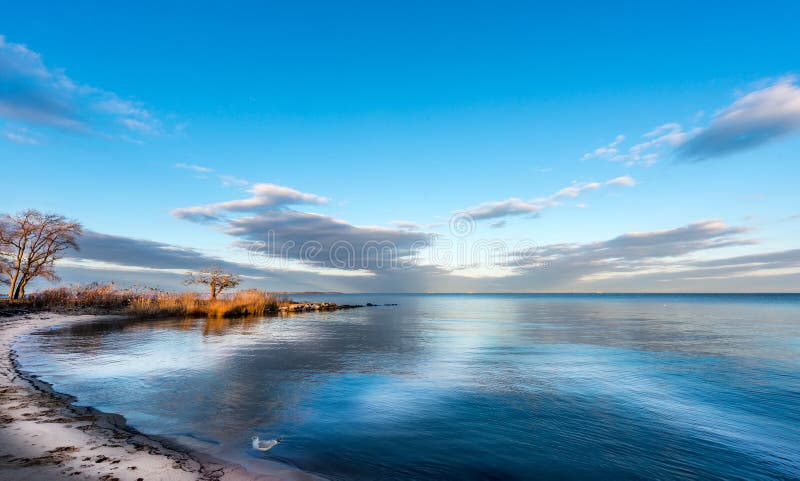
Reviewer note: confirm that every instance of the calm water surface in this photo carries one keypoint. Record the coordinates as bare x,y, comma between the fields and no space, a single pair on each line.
459,387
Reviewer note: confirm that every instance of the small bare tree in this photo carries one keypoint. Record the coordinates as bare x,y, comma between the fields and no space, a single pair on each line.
30,243
215,278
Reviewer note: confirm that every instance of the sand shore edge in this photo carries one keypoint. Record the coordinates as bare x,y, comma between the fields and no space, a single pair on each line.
45,436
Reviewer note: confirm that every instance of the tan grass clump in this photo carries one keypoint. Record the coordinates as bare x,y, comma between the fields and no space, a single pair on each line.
147,302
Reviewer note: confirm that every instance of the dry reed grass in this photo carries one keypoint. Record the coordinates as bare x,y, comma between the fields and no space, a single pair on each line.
147,302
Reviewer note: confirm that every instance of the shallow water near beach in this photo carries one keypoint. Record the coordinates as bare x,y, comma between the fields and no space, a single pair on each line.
461,387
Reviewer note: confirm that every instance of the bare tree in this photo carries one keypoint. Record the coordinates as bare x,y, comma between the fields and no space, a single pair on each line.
30,243
215,278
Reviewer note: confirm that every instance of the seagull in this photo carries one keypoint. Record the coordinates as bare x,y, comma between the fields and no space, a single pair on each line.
264,445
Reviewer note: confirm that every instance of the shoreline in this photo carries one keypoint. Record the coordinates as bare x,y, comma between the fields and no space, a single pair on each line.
45,436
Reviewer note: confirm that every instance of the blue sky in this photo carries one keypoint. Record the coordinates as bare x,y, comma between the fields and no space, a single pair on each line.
135,118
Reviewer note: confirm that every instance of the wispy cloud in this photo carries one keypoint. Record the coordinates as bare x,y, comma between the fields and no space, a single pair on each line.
194,167
636,261
19,138
127,251
32,93
624,180
654,144
667,252
231,181
264,197
266,219
405,224
154,263
226,180
645,245
324,240
606,151
708,234
757,118
517,206
504,208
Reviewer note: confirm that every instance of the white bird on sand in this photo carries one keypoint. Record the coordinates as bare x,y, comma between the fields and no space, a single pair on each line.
264,445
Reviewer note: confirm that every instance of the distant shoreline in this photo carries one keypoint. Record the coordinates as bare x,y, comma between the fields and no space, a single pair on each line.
16,308
309,293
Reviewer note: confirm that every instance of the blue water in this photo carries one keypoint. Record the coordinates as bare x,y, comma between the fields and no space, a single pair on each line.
462,387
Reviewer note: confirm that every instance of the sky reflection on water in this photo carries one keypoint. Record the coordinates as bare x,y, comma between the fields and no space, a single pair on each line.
463,387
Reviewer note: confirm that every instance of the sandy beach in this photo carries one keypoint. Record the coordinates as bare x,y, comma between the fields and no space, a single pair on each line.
43,436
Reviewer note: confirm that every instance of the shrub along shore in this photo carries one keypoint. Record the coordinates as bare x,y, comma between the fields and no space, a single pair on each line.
147,302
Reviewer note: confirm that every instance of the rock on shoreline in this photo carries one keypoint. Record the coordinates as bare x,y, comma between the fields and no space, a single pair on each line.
316,306
324,306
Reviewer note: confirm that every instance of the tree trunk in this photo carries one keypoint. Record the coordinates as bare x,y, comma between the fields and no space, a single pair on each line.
12,286
213,291
21,289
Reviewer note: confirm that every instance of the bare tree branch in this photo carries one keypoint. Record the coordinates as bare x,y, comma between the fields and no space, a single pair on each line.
30,243
215,278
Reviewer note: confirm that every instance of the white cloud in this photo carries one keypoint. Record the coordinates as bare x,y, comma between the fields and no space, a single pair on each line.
405,224
683,258
270,196
645,153
756,118
194,167
138,125
264,197
665,252
624,180
32,93
574,191
279,232
229,180
20,138
502,208
605,151
663,139
226,180
518,206
140,253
